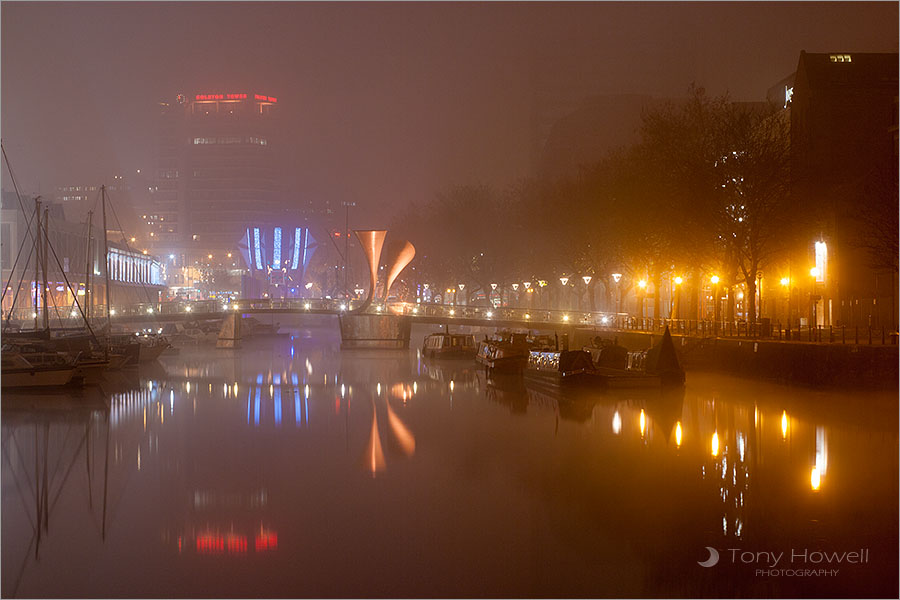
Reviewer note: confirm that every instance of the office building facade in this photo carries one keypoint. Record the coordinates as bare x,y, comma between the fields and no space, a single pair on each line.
218,169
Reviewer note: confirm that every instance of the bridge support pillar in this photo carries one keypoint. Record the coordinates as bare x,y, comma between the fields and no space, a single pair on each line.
388,332
230,334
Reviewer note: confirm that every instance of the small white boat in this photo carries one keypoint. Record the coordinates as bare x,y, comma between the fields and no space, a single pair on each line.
19,372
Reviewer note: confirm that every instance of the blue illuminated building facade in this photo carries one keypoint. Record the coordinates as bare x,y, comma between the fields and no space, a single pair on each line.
277,259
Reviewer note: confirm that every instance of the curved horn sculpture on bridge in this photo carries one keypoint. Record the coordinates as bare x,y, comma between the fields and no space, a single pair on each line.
371,241
404,257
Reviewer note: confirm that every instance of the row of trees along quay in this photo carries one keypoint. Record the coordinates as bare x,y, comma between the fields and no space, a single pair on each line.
685,224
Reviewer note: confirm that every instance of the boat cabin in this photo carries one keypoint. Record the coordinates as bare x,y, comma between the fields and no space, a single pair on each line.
446,345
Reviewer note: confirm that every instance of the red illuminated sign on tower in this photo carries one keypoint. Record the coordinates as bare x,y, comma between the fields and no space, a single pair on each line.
214,97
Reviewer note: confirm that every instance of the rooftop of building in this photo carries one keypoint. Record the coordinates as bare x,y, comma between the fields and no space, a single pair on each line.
849,69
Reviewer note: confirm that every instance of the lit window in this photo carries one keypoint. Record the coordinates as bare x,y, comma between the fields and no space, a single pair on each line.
840,58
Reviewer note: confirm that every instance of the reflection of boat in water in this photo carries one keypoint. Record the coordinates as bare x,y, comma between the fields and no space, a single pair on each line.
664,407
507,389
449,371
46,434
449,345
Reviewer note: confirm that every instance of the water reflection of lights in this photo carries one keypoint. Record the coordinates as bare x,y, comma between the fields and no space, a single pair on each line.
405,438
212,542
678,434
643,422
128,405
819,470
374,454
784,424
258,401
402,391
616,423
715,443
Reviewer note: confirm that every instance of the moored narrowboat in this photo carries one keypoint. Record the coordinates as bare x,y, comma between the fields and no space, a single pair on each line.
449,345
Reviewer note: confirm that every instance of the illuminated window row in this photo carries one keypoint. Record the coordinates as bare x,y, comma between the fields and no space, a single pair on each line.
231,139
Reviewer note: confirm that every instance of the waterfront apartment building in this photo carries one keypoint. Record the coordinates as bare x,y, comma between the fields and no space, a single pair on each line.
843,115
218,169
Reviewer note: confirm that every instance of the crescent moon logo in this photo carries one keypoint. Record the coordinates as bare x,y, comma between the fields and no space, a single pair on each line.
712,560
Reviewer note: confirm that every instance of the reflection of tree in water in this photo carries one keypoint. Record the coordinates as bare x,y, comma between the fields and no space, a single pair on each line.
46,436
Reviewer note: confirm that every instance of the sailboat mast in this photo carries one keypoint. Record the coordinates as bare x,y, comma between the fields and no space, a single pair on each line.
37,258
44,254
105,261
88,297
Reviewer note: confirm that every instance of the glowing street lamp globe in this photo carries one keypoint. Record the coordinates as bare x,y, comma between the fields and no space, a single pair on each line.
564,280
785,281
714,279
587,279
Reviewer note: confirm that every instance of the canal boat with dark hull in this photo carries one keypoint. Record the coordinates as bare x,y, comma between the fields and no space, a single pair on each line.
565,367
607,365
657,366
449,345
507,353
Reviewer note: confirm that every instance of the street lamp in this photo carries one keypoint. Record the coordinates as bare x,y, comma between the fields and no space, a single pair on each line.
715,281
616,278
676,293
786,284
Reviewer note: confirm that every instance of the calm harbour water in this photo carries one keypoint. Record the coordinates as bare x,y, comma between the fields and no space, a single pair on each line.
291,469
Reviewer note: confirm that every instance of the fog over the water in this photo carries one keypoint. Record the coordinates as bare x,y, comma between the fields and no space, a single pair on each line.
383,103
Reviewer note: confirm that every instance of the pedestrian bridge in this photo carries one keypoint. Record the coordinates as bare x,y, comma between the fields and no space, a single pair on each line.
418,313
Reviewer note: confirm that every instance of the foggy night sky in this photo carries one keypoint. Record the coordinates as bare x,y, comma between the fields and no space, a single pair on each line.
383,103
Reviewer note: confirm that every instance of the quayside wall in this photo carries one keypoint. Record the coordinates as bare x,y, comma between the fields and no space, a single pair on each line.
815,364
